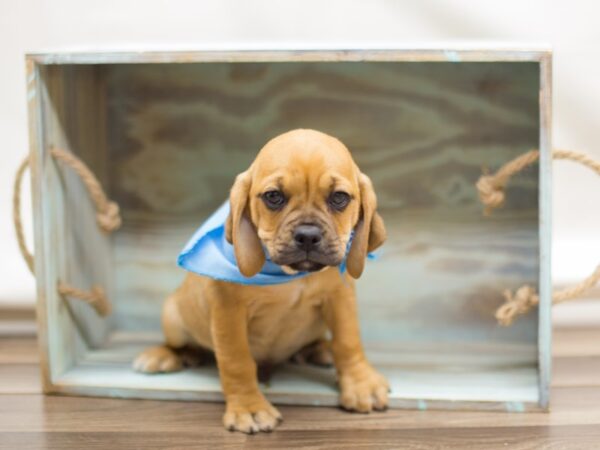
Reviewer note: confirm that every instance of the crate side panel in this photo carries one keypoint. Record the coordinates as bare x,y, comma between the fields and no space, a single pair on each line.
60,337
76,123
545,219
34,112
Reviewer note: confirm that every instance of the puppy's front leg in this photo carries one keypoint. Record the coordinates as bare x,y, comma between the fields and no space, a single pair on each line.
362,388
247,409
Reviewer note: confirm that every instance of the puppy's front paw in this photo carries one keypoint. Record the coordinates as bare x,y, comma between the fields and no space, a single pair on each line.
251,414
363,389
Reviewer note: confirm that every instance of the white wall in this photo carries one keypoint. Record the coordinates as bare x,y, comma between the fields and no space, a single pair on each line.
570,27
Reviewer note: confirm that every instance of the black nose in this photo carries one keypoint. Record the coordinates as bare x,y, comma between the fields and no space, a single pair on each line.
307,237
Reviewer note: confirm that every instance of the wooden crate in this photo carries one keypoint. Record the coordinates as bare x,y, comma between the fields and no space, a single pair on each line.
166,132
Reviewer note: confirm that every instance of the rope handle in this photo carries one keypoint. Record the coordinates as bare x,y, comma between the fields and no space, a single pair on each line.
107,218
491,193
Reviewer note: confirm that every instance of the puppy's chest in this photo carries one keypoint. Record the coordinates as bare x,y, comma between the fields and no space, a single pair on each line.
283,322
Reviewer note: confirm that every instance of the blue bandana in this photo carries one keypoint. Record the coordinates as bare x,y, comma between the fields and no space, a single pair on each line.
208,253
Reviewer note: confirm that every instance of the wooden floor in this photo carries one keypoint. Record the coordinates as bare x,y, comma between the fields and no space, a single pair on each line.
30,420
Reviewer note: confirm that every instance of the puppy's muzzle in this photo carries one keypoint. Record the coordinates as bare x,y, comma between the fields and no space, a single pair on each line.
307,251
308,237
308,248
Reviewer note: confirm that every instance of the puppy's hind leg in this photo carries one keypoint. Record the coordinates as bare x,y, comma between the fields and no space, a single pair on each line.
159,359
317,353
168,357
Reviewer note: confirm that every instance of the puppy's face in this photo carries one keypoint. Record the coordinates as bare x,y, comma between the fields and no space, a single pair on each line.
303,203
300,200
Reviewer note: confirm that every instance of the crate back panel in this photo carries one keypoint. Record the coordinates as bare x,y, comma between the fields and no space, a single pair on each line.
178,135
167,140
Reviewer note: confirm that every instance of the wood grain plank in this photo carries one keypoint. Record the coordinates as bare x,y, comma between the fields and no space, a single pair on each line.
582,342
404,123
569,437
21,413
18,350
36,421
20,379
339,435
286,53
576,371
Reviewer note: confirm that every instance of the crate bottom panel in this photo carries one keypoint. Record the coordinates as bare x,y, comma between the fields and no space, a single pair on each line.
486,376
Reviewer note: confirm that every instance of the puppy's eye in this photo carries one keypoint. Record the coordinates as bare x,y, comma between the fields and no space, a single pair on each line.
274,199
339,200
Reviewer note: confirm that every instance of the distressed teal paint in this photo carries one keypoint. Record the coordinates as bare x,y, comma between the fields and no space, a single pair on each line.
477,379
452,56
545,225
515,407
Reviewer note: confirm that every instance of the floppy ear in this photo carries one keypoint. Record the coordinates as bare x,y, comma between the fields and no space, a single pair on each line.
369,232
240,231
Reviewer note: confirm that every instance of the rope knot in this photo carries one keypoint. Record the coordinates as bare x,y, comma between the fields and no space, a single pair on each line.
99,301
491,192
95,297
516,304
109,219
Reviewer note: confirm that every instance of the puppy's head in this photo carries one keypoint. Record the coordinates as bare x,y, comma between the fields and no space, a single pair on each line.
301,199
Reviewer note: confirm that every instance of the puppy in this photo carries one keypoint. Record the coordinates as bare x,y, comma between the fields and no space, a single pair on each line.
304,201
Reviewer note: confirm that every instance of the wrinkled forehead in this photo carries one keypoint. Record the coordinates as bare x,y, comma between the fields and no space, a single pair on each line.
298,169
